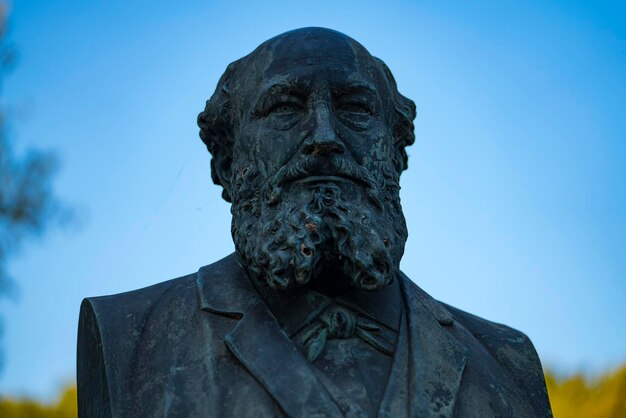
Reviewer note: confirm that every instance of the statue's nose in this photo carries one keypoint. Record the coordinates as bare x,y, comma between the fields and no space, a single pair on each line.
323,139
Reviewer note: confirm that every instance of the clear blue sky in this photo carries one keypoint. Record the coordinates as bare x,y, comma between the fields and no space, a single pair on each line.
515,195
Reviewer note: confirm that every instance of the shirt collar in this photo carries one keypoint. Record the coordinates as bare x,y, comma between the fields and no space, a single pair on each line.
295,308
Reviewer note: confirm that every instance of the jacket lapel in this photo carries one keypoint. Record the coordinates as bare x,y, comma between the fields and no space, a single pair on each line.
260,344
436,360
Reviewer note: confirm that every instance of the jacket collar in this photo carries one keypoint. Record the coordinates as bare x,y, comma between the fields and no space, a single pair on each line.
436,359
224,288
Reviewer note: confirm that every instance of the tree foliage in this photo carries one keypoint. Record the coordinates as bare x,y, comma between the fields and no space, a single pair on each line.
580,397
65,407
27,202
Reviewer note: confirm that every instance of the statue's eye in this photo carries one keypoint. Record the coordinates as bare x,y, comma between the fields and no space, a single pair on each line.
283,114
355,114
284,109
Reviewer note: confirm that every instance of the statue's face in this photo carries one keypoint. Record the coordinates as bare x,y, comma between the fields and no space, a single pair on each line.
315,96
315,192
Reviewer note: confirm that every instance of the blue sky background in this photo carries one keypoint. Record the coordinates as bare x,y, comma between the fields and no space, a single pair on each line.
515,195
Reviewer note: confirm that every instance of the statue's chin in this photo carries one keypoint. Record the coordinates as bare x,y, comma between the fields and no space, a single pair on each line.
330,279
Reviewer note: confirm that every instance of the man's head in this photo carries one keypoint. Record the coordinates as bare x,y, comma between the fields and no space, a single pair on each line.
308,137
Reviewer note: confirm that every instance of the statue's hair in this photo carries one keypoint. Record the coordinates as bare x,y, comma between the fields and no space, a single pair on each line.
218,122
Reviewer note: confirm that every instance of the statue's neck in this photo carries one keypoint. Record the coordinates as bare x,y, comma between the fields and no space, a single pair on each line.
293,305
331,282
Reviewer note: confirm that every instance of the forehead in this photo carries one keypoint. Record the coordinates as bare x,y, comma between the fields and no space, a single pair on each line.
298,51
306,57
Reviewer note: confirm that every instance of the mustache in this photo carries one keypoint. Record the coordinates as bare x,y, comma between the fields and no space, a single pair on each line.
313,165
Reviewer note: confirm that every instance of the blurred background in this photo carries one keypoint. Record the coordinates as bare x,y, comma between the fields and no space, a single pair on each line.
515,196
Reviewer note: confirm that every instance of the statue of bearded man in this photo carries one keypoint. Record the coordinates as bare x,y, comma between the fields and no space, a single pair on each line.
311,317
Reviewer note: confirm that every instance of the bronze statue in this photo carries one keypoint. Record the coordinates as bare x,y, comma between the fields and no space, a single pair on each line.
311,317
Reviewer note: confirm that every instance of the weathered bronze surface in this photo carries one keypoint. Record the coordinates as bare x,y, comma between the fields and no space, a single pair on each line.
311,317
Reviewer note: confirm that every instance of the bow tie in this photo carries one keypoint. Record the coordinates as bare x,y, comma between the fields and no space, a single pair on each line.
337,321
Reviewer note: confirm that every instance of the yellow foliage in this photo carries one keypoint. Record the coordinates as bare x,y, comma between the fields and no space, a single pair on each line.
572,397
65,407
577,397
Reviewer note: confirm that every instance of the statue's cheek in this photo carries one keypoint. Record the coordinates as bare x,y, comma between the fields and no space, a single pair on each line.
268,149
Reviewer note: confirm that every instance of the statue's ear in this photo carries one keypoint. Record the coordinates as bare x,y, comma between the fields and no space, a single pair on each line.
404,114
221,171
215,133
216,130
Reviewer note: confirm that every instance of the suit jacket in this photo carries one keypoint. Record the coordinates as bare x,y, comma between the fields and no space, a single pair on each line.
206,345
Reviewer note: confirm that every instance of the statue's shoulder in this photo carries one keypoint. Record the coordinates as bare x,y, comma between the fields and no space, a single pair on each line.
112,328
506,344
130,307
511,348
503,342
492,347
109,328
499,339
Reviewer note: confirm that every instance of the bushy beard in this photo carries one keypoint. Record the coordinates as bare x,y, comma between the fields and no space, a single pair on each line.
290,229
